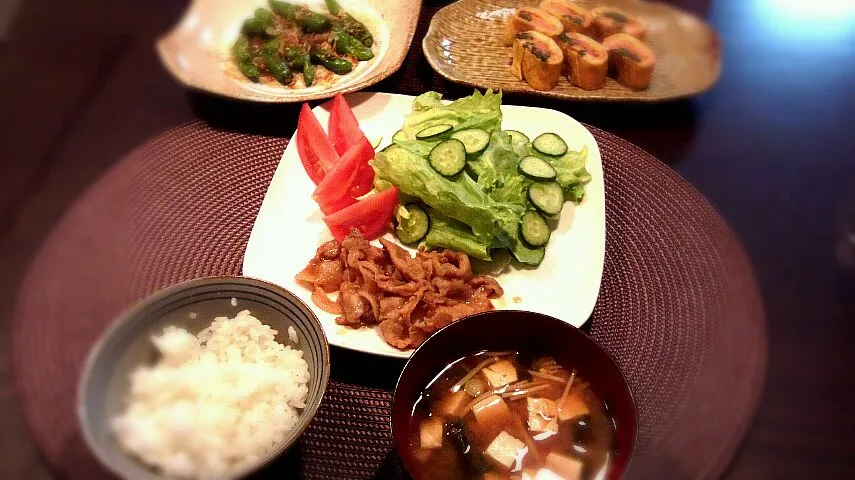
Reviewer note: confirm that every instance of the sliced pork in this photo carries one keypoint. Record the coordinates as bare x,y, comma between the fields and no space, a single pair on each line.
408,297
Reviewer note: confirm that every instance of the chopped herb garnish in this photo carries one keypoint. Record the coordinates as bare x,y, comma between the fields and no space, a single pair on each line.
582,53
524,36
617,16
540,54
565,39
525,16
626,53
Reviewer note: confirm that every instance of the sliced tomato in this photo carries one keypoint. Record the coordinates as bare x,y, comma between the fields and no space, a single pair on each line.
338,182
313,146
349,179
370,215
331,207
363,182
343,126
339,231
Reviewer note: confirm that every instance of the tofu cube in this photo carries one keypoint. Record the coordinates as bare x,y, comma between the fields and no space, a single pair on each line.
452,405
566,467
430,432
492,411
574,406
500,373
505,450
542,415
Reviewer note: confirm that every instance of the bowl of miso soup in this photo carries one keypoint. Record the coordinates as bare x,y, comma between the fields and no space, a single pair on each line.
513,395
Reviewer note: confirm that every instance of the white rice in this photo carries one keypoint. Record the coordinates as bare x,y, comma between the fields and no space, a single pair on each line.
214,403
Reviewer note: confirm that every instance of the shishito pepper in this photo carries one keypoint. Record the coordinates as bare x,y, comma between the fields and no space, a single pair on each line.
260,24
308,71
352,26
294,56
285,9
357,30
309,21
349,45
244,59
276,65
331,62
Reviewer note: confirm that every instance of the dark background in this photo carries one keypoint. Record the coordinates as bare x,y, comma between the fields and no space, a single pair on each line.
772,147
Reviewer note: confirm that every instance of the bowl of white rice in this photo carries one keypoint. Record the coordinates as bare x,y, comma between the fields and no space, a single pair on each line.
208,379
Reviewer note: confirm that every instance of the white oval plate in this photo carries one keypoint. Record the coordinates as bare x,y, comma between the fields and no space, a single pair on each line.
289,227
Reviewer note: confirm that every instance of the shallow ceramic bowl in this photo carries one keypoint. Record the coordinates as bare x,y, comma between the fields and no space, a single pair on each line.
197,50
191,305
464,45
525,332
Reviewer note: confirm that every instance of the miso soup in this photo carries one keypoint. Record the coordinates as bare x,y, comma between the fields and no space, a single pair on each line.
503,416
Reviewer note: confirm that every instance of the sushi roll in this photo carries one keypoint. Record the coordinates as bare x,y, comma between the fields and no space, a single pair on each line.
631,60
609,21
586,61
528,18
537,60
573,17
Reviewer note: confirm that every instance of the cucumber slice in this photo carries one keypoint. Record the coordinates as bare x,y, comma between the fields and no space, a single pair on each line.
399,135
550,144
519,142
537,168
433,132
529,256
414,226
547,197
475,140
448,157
534,229
517,137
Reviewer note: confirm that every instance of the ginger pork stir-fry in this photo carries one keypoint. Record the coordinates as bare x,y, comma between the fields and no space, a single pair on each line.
407,297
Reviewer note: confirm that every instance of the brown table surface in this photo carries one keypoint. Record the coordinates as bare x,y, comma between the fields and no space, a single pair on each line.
771,147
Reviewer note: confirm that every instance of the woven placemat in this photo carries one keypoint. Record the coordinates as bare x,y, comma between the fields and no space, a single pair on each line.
678,308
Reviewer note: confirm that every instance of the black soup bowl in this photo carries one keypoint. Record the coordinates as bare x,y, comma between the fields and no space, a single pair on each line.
530,334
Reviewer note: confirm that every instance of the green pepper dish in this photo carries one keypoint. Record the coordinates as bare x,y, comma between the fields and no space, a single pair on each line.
289,41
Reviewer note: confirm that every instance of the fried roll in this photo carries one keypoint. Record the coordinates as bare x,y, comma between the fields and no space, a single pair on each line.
586,61
573,17
631,60
528,18
537,60
609,21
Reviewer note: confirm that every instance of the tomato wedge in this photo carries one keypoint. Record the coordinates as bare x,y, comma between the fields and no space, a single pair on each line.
343,126
331,207
363,181
338,182
313,146
370,215
351,178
